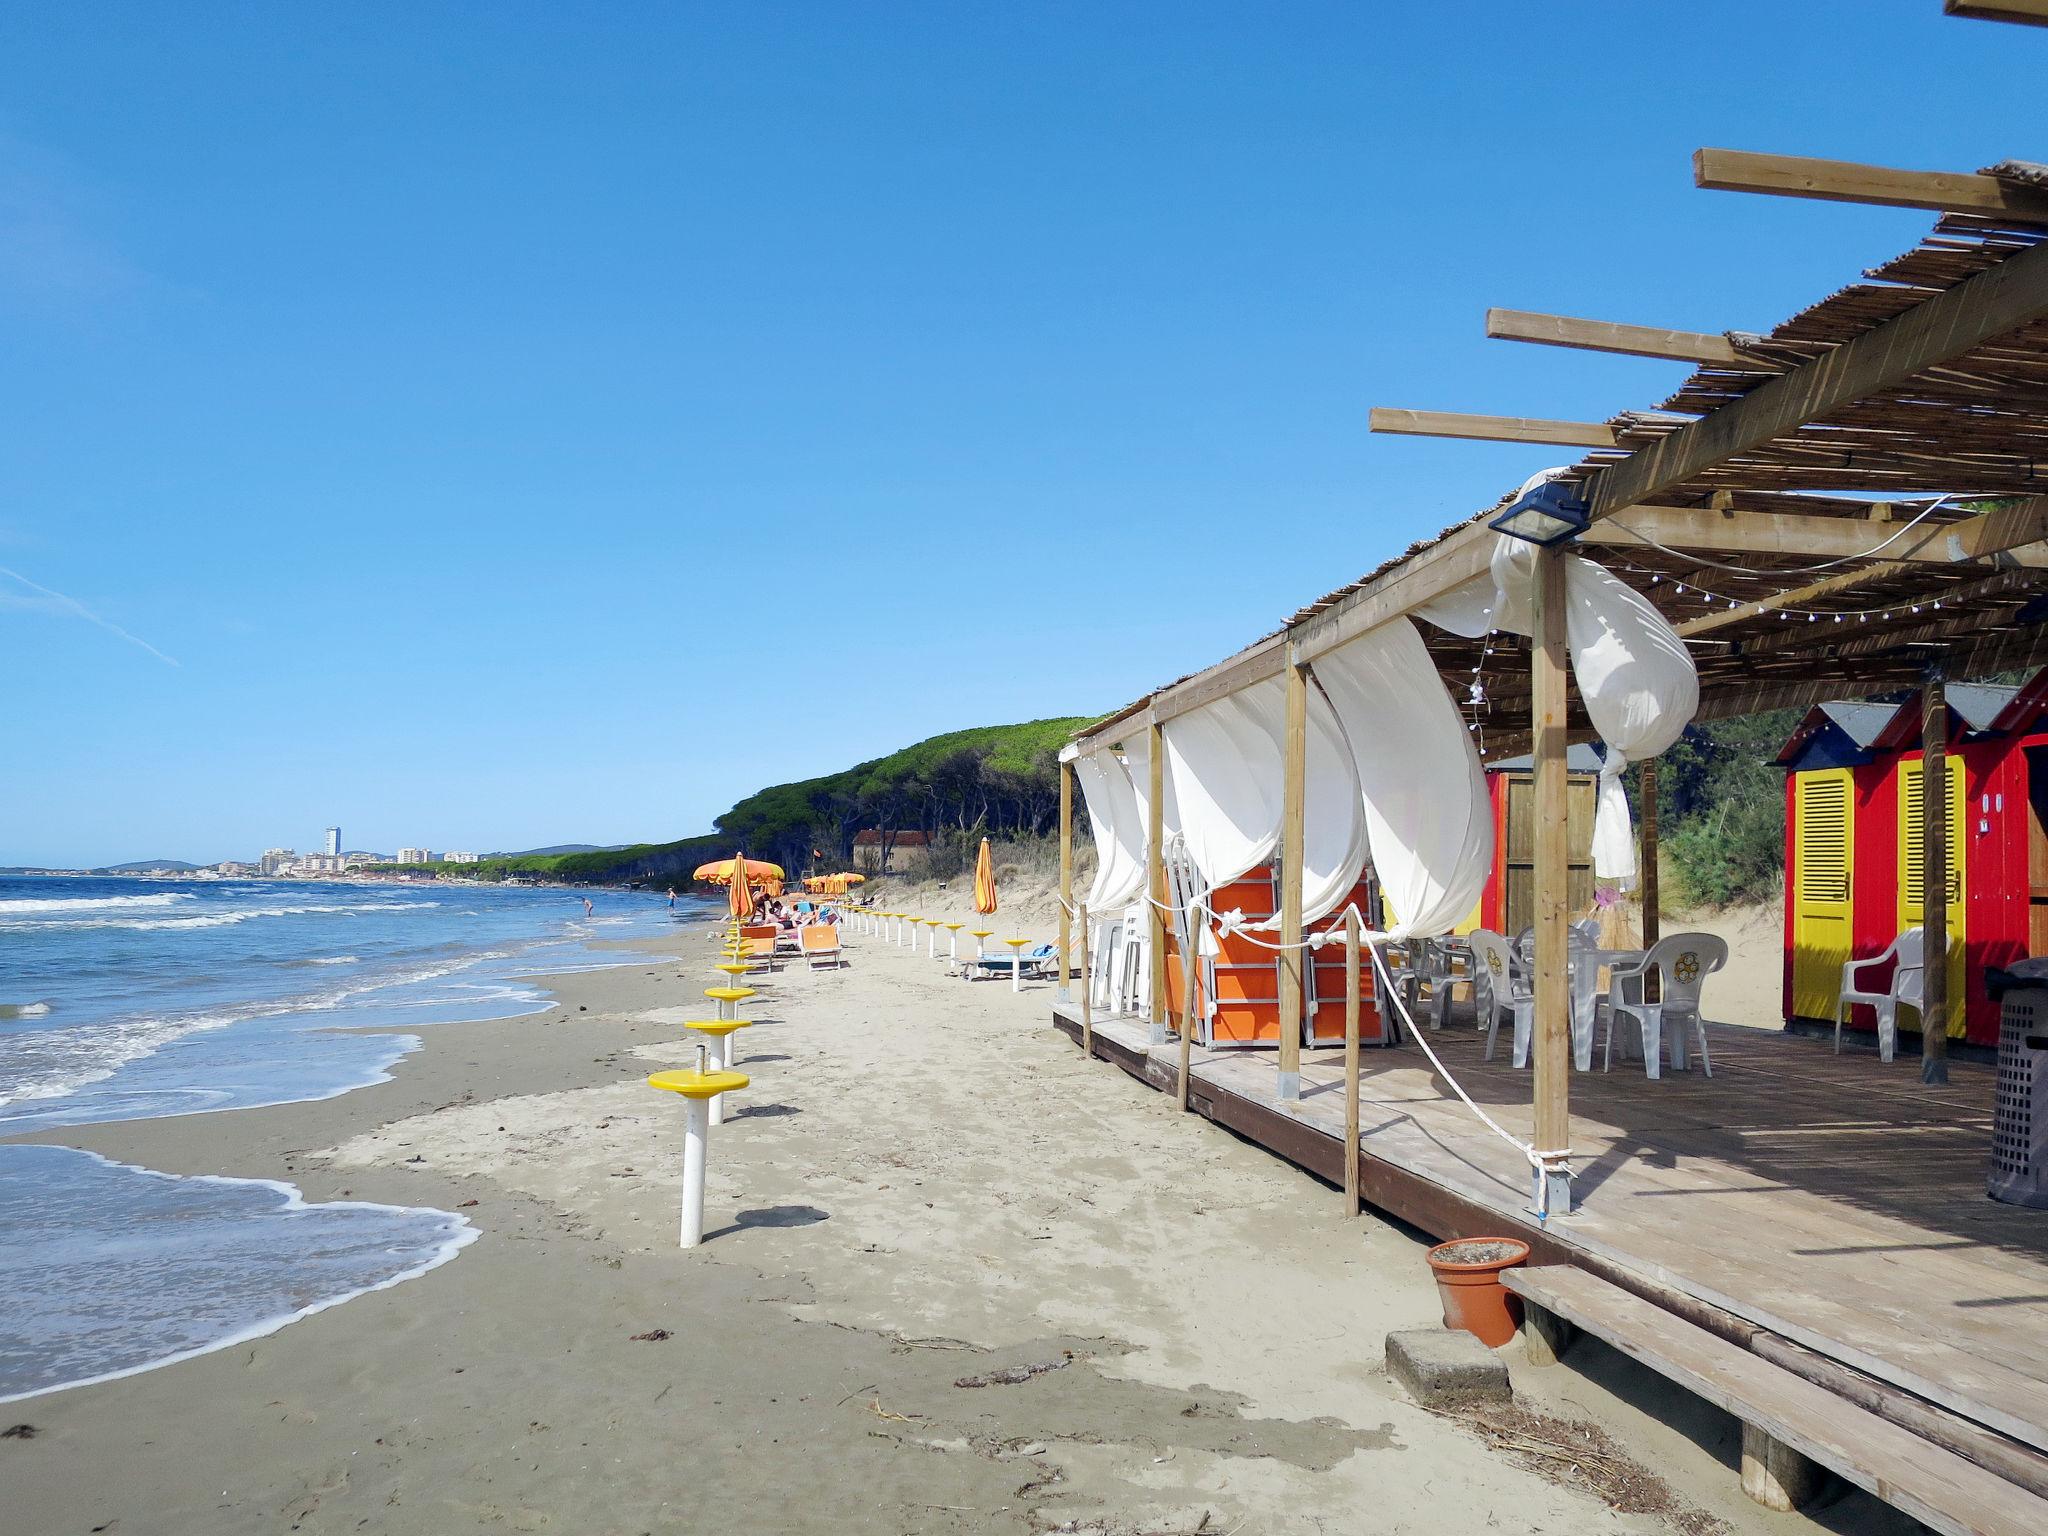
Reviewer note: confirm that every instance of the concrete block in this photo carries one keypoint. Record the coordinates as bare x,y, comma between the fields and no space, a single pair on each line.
1442,1367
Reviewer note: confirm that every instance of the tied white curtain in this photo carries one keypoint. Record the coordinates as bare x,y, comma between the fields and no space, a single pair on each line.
1634,674
1427,817
1118,828
1224,768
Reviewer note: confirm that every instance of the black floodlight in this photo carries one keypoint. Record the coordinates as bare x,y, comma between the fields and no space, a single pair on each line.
1547,514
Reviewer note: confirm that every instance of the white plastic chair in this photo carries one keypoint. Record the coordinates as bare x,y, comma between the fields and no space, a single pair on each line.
1682,963
1583,979
1499,985
1908,981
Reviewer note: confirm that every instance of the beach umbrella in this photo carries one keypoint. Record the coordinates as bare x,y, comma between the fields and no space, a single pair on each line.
741,894
720,871
984,881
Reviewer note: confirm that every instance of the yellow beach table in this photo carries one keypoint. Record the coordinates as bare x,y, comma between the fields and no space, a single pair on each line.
1016,963
721,1050
980,940
699,1089
953,940
728,998
931,938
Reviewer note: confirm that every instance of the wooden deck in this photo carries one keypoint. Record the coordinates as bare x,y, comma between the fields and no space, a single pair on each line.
1832,1201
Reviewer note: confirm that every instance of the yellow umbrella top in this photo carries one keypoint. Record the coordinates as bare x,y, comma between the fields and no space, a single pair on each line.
984,881
719,871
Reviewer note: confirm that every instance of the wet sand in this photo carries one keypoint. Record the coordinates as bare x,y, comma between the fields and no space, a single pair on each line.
925,1187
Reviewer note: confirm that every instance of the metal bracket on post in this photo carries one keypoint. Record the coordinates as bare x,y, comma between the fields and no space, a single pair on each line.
1290,1086
1550,1189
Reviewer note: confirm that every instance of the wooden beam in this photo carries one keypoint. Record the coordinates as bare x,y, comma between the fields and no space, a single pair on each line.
1652,924
1552,1034
2022,13
1230,676
1492,429
1066,875
1450,562
1951,323
1293,842
1934,878
1087,989
2008,529
1155,876
1351,1088
1190,973
1608,336
1846,181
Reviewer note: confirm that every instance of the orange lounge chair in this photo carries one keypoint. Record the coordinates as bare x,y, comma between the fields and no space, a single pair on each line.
759,939
821,944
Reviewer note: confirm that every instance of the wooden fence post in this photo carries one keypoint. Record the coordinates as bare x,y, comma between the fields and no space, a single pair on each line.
1934,1009
1062,993
1552,1043
1293,772
1351,1115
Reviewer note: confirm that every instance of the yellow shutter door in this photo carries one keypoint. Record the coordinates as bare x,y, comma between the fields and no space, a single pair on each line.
1824,808
1913,870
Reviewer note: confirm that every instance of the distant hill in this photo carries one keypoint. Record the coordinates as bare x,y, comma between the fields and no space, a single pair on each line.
998,779
148,866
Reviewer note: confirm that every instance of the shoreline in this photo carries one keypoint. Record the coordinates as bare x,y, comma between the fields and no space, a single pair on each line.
923,1190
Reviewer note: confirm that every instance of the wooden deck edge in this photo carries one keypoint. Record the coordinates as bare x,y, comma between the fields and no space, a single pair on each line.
1444,1214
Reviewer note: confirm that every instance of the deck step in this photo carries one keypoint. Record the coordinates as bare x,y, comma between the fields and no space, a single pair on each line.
1936,1487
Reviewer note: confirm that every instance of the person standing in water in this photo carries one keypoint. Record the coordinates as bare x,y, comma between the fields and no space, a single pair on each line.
671,898
588,907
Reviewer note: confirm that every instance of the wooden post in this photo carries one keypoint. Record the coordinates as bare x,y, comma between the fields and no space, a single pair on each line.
1066,875
1190,958
1087,990
1648,854
1934,877
1774,1474
1553,1025
1293,773
1351,1115
1155,877
1652,924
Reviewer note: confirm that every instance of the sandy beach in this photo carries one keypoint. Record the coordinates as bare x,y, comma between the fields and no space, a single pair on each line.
958,1280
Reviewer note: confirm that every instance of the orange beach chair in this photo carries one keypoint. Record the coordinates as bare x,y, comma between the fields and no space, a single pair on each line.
821,944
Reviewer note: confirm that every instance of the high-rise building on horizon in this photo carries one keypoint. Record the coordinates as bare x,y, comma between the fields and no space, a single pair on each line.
334,842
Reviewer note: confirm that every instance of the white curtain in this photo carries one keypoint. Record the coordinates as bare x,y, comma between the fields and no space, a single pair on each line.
1118,829
1428,819
1224,769
1334,836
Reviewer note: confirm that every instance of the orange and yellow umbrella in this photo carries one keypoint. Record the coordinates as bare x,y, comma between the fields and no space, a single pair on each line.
720,871
984,881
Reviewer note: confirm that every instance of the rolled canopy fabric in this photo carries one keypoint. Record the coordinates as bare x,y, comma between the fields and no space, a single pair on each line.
1118,829
1428,818
1634,674
1333,819
1225,772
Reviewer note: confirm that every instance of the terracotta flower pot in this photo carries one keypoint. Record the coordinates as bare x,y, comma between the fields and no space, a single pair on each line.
1467,1272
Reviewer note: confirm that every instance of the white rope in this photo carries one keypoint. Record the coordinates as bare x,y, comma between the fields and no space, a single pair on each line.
1376,940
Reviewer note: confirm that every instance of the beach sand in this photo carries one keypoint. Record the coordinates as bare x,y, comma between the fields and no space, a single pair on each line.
925,1184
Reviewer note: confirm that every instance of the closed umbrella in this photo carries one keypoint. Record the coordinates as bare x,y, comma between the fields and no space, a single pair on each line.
984,881
741,892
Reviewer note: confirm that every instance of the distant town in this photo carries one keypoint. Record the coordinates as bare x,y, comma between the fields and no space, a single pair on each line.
285,863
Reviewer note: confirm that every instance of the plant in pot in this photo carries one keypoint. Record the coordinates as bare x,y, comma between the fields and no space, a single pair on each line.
1467,1271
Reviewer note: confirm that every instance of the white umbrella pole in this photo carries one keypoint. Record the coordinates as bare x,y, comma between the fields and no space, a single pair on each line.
696,1134
715,1050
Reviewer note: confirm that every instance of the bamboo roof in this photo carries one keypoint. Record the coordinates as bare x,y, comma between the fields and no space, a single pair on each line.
1769,623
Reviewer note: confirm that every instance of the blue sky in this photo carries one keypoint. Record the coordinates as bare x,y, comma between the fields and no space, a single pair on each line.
461,396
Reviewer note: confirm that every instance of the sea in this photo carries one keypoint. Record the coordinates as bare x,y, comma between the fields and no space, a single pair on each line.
126,999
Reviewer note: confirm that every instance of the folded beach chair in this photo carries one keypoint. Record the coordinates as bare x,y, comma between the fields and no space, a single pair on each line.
1035,964
821,944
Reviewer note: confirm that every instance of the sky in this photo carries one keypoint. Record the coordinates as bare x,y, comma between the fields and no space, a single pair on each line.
492,425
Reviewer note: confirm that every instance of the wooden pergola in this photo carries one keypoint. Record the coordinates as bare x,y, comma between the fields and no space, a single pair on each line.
1854,501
